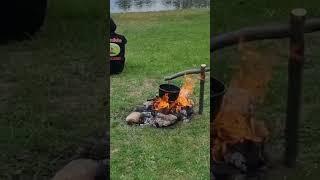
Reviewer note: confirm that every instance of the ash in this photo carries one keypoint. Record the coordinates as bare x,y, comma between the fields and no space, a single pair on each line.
146,115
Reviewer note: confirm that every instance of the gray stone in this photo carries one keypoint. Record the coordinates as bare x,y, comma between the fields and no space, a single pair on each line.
134,118
163,120
236,159
184,112
186,120
146,114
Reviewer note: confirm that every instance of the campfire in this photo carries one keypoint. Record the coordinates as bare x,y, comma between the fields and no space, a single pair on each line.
163,104
238,138
172,105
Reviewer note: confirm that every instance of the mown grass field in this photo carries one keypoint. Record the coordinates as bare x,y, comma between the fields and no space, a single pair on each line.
52,90
159,44
232,15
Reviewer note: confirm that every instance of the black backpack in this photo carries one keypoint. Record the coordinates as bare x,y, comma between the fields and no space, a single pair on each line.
117,50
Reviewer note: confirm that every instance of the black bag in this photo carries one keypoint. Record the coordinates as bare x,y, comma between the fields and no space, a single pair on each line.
117,50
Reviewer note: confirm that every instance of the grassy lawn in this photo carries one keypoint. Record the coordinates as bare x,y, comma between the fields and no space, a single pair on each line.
231,15
52,91
159,44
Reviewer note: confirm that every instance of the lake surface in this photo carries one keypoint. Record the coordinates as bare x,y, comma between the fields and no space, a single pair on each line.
122,6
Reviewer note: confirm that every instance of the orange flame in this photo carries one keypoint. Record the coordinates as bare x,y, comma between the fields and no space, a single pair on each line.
162,103
235,122
184,96
183,100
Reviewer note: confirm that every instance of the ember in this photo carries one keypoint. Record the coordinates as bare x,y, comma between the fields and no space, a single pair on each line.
161,112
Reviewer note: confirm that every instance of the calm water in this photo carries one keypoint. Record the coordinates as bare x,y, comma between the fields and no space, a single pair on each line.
119,6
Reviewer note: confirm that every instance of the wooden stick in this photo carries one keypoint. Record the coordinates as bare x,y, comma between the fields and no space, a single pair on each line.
275,31
190,71
202,81
295,72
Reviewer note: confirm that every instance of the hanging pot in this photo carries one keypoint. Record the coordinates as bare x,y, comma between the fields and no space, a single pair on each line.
170,89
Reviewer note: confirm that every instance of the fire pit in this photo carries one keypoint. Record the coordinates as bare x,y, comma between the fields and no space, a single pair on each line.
172,105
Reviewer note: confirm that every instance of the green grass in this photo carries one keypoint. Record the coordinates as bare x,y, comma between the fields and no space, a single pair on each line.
52,92
232,15
159,44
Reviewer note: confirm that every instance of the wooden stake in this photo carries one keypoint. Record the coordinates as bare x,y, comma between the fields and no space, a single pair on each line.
295,71
183,73
202,81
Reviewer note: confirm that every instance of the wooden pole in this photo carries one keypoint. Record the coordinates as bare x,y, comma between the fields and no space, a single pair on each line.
190,71
202,81
295,71
272,31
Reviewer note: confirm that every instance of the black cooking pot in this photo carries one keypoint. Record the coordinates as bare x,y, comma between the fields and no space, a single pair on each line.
216,96
217,91
172,91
